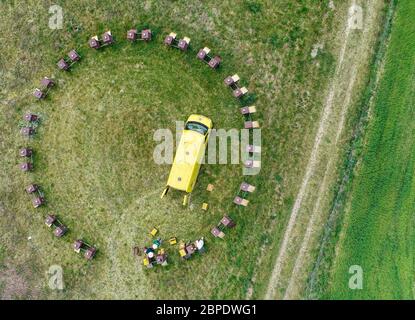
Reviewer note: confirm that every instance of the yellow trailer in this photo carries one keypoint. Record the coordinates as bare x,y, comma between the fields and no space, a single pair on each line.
189,155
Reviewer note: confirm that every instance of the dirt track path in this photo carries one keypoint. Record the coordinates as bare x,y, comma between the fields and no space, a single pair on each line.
299,262
290,268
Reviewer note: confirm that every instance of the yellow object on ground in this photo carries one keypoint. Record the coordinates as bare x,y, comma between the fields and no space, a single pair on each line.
146,262
205,206
185,199
173,241
154,232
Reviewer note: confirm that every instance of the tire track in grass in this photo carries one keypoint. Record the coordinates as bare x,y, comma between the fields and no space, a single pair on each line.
289,293
312,166
274,281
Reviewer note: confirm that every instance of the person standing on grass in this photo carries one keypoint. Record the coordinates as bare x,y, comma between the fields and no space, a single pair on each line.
200,245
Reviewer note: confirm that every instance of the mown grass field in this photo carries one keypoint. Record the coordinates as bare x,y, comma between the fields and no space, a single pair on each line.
95,144
378,230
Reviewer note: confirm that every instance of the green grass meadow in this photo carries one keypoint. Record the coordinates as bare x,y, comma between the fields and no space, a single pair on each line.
378,229
94,146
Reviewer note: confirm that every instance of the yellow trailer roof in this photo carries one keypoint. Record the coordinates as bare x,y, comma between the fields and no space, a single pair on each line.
187,160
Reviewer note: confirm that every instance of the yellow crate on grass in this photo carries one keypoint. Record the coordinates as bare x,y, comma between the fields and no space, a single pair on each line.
154,232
